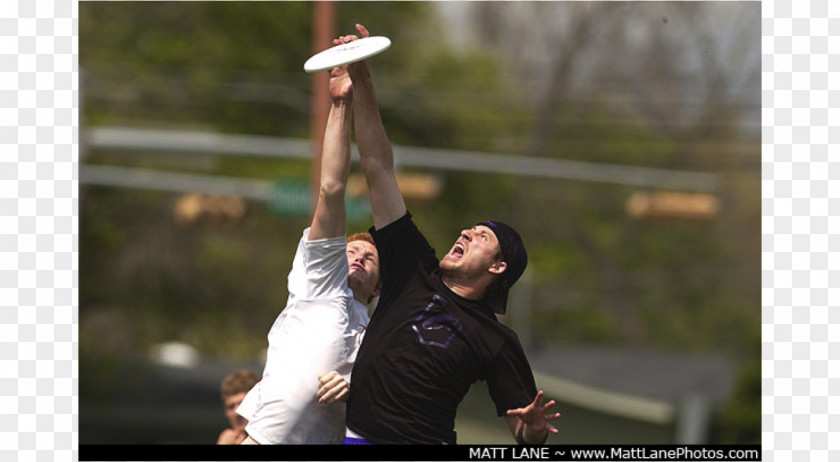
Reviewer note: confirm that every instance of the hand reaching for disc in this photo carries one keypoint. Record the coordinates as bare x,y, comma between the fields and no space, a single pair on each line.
344,52
360,67
341,87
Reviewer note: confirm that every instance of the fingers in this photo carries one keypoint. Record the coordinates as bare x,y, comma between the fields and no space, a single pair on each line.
548,406
333,387
335,395
344,39
326,377
362,30
324,382
349,38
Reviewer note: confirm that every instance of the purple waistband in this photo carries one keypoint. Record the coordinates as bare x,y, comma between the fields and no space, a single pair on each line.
349,440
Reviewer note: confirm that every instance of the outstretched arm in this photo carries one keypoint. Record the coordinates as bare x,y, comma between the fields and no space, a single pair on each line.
529,424
330,216
386,200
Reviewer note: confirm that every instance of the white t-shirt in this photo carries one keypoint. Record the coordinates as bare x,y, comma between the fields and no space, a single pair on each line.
320,330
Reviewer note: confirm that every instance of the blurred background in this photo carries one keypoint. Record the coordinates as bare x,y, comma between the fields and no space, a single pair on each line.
622,140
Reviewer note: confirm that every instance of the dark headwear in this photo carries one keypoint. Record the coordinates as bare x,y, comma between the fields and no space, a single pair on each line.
514,254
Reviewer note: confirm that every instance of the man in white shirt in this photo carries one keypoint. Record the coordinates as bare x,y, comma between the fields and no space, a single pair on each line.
332,281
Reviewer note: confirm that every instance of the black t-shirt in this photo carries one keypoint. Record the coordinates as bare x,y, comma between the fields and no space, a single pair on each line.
424,347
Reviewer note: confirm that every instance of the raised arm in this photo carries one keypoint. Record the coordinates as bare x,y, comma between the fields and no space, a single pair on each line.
386,200
330,216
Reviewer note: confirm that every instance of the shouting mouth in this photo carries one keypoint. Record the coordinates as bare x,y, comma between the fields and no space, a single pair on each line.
457,251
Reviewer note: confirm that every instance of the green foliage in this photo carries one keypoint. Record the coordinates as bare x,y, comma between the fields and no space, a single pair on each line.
580,324
265,169
739,422
177,280
234,66
172,60
601,134
471,107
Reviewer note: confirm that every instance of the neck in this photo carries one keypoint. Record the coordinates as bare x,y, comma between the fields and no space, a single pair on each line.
361,298
358,294
465,289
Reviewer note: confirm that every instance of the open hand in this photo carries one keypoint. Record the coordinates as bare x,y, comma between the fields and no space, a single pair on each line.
536,415
360,68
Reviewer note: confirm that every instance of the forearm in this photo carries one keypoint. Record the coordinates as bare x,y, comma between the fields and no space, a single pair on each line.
376,153
370,132
335,155
329,219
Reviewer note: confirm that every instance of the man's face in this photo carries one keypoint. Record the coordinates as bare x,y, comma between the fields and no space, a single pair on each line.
231,403
363,262
473,254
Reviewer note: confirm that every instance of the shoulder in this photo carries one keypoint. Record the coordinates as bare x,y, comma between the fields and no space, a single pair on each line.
321,249
404,224
329,242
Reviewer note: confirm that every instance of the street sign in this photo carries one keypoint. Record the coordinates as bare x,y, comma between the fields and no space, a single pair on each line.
672,204
293,198
413,185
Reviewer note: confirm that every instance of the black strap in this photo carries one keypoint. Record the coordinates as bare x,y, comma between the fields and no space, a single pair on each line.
520,438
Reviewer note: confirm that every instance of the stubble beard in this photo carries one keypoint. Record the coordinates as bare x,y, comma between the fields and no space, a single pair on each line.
450,270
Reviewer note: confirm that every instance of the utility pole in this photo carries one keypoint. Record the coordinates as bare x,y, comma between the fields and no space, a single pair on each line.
323,31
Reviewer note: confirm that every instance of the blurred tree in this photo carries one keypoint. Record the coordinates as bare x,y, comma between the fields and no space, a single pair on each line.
237,67
739,422
671,85
671,67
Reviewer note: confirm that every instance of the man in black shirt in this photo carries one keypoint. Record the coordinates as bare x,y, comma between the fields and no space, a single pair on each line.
434,331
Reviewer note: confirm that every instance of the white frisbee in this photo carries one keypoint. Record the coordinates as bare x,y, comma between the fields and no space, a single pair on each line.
347,53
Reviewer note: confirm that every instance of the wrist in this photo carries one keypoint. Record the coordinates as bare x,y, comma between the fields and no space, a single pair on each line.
527,436
361,76
342,102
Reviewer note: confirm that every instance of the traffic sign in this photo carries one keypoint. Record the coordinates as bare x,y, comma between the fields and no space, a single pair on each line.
293,198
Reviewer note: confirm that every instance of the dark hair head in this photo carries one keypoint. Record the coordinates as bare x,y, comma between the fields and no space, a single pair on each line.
516,258
238,381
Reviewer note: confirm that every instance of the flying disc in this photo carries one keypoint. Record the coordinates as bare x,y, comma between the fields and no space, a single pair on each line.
347,53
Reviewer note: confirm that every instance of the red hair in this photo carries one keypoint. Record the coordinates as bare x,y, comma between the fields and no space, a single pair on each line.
361,237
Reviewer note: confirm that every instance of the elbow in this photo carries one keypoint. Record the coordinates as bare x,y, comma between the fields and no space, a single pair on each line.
332,189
